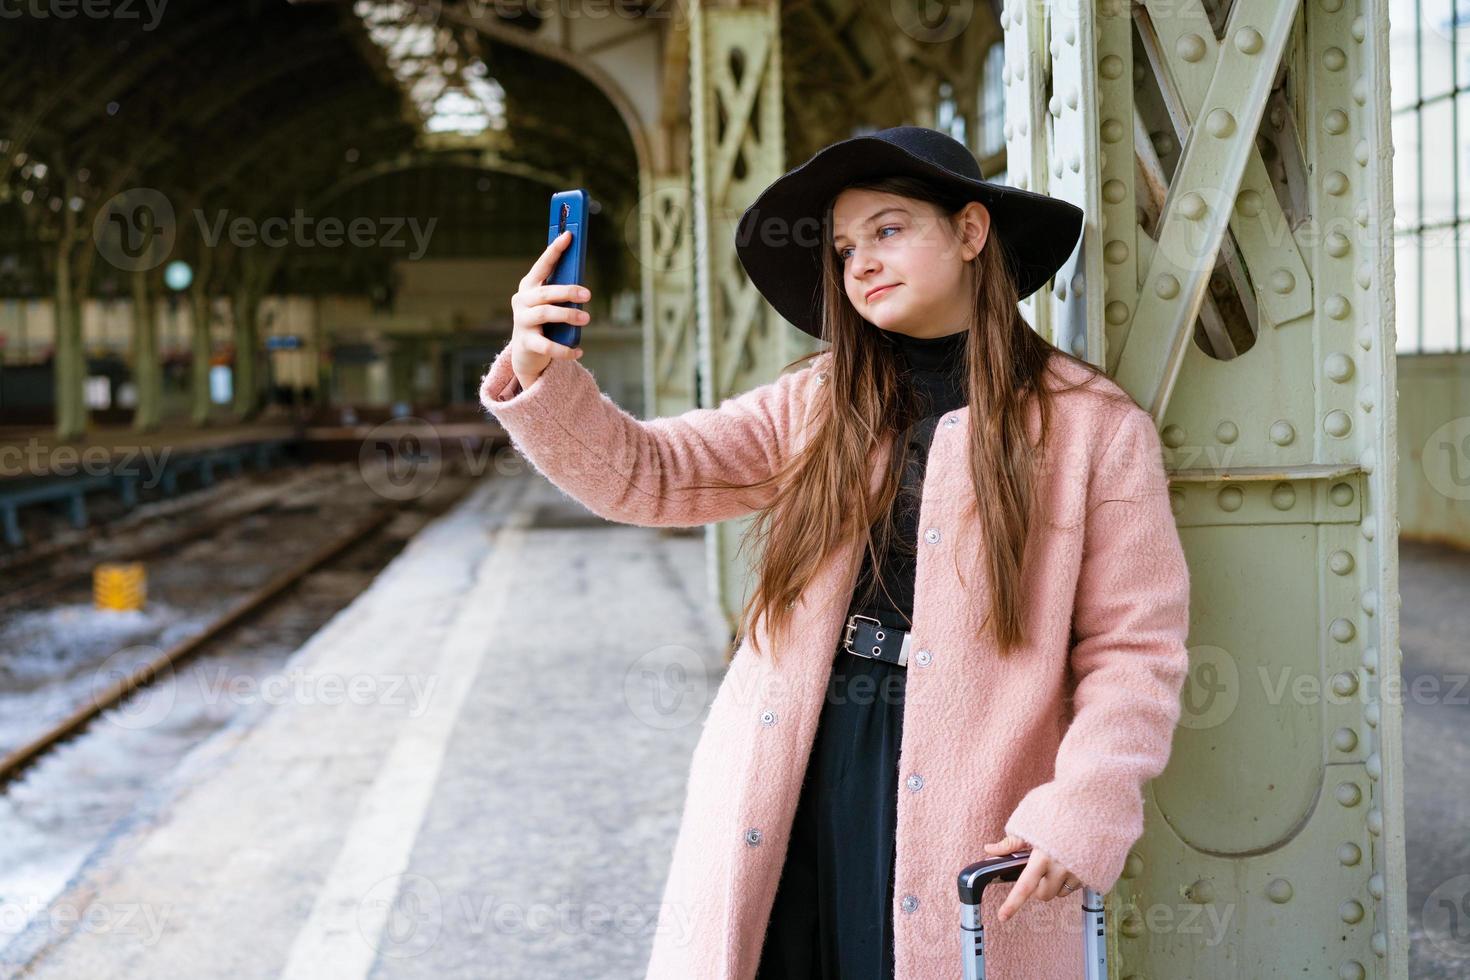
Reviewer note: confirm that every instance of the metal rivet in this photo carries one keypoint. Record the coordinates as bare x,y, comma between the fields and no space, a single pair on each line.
910,903
952,420
768,717
932,535
880,634
753,836
916,783
923,658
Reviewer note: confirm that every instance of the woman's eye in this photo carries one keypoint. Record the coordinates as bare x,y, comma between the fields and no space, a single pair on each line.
842,252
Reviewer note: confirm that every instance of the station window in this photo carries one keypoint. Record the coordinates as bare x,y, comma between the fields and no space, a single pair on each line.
1429,65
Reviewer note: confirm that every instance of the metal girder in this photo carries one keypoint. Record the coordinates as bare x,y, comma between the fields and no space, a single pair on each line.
671,351
288,133
1026,81
736,114
1186,59
1284,788
488,162
734,357
101,78
567,51
1201,200
1155,183
204,105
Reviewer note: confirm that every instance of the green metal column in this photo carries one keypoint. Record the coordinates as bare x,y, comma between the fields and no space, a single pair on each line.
200,350
1236,277
670,342
147,372
71,355
246,300
737,143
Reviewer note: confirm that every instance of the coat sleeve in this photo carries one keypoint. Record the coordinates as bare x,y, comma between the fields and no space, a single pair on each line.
1129,662
647,472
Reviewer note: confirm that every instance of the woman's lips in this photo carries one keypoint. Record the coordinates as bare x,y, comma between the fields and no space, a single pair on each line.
879,292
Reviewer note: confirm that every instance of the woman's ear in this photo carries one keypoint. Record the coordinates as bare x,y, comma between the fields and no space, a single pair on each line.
974,228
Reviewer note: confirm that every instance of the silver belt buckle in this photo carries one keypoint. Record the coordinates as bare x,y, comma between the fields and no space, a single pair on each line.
848,630
903,651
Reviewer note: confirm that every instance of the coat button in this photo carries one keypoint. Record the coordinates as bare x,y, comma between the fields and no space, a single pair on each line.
768,717
821,377
951,419
923,658
916,783
753,836
932,535
910,903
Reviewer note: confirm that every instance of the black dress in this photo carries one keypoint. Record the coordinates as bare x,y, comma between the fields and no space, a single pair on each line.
832,918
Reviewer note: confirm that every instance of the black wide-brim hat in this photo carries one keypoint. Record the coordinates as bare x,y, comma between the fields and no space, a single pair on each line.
779,237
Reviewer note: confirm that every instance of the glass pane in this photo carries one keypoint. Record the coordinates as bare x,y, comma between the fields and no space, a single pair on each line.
947,115
1462,258
1439,290
1439,162
1438,52
1462,157
1406,169
1462,44
993,101
1402,53
1406,292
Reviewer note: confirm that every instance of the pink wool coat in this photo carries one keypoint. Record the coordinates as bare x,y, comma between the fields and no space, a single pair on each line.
1053,744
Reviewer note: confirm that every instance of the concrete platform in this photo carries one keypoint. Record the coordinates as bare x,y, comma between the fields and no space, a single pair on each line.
499,800
502,797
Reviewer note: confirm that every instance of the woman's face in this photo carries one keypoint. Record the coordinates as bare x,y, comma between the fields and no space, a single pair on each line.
904,262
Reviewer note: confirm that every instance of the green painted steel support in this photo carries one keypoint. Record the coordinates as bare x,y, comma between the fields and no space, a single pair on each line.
246,308
737,143
670,341
1236,276
71,355
1246,299
147,372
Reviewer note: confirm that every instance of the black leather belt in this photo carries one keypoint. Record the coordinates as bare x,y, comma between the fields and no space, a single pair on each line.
868,637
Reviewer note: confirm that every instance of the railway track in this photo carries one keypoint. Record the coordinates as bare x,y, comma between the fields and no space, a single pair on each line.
20,759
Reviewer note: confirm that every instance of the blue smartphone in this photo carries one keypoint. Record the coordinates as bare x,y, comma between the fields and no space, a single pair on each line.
569,212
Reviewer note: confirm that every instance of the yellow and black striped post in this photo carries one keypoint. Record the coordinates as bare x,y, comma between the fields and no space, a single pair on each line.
120,586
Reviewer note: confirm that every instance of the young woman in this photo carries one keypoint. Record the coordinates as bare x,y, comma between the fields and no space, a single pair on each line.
955,518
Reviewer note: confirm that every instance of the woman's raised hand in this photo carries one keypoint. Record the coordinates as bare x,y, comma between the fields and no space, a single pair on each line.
534,304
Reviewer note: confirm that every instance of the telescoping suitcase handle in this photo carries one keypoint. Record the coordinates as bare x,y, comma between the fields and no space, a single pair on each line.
1008,867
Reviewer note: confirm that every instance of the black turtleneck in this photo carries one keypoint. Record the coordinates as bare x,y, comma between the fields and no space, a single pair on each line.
935,367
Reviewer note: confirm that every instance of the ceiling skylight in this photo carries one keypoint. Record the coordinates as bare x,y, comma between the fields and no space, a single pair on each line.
451,88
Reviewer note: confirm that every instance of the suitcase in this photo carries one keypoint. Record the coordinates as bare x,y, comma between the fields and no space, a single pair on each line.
1008,867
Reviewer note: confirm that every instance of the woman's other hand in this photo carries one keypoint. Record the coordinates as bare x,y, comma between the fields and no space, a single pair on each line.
1043,877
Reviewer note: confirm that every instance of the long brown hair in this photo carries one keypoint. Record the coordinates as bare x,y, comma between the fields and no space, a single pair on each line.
865,400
